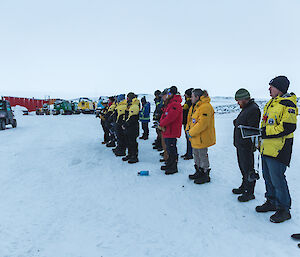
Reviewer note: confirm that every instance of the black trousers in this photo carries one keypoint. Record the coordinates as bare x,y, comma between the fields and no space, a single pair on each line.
246,164
132,144
145,128
171,147
121,140
105,130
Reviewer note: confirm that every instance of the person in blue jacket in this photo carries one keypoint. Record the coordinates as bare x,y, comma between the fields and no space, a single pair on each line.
145,118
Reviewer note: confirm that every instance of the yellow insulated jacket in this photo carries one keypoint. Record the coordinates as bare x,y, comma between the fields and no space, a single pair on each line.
278,124
201,124
134,108
121,109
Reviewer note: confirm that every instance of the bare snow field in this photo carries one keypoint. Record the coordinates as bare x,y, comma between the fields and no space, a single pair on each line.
64,194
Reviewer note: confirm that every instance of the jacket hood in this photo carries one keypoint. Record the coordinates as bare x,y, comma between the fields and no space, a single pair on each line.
290,97
205,99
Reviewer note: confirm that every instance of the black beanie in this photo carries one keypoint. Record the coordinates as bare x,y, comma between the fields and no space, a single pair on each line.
157,92
131,95
281,83
173,90
188,92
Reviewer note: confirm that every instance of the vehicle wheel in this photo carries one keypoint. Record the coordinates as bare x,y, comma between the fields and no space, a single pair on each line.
14,123
2,124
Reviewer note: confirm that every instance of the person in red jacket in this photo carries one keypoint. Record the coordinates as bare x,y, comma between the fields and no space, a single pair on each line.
170,124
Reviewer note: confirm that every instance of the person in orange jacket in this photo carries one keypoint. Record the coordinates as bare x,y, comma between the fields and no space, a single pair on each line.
200,129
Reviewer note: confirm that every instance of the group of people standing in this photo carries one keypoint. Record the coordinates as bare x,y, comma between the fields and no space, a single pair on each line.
120,118
120,122
196,115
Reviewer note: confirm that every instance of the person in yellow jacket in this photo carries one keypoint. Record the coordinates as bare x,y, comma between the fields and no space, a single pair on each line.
110,121
278,124
200,129
121,108
131,128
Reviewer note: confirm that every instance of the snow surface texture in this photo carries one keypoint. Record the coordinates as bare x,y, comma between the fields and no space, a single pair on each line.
64,194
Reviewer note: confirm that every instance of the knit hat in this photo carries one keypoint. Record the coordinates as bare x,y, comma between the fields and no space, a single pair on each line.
120,97
131,95
281,83
157,92
188,92
173,90
242,94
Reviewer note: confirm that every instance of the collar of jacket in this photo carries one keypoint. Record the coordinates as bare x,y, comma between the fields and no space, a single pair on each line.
175,98
249,103
124,102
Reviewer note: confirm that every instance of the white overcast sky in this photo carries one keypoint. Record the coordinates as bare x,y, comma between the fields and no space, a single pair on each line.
72,48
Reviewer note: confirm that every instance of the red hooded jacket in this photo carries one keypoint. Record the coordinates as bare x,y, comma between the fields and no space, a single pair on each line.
171,118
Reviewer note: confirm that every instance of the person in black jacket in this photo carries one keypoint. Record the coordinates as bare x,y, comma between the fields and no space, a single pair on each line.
185,111
156,117
249,116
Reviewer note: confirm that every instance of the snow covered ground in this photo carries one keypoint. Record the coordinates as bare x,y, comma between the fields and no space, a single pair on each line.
64,194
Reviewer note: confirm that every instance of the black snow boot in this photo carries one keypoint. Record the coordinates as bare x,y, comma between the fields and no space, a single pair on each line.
188,157
280,216
162,160
133,159
267,206
172,167
111,144
197,174
204,178
246,197
164,167
120,152
126,158
238,191
296,236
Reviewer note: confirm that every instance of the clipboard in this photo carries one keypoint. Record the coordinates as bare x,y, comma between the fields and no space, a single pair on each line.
249,132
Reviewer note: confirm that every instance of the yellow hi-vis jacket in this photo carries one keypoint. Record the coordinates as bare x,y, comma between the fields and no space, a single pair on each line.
134,108
278,124
121,109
